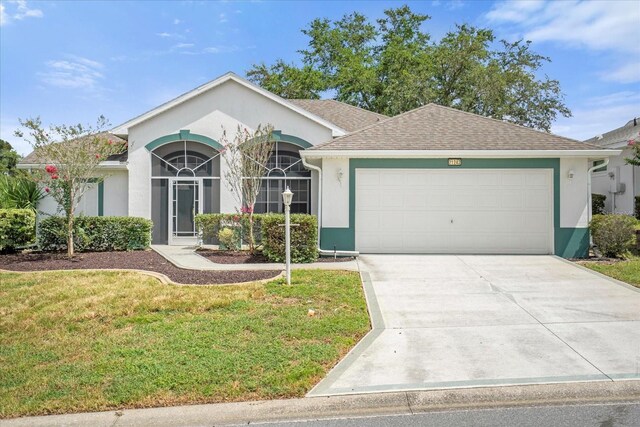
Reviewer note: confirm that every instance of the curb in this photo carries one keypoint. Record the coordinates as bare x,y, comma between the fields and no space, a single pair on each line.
318,408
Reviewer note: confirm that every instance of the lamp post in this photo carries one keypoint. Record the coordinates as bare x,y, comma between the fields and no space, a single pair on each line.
287,197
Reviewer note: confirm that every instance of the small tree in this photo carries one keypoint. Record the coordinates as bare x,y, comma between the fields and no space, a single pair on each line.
634,143
246,159
72,155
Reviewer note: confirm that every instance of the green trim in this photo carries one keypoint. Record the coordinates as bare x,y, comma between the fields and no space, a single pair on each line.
101,198
568,242
183,135
291,139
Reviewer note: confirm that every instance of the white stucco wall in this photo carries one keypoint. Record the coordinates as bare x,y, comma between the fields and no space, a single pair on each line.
574,199
335,193
116,197
628,174
209,114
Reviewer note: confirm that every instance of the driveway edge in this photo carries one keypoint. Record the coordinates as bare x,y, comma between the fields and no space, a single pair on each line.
349,406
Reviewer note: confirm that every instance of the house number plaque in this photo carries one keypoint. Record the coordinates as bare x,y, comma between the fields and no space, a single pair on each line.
455,162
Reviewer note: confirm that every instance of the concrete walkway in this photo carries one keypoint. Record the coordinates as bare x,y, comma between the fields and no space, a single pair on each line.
446,321
186,257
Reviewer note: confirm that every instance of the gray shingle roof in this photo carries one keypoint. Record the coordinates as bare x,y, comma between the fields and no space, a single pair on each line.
619,136
34,159
434,127
348,117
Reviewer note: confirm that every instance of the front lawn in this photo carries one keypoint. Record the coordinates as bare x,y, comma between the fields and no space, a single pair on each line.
89,341
626,271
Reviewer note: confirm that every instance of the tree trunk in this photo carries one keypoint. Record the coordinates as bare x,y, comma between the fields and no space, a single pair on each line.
70,231
251,240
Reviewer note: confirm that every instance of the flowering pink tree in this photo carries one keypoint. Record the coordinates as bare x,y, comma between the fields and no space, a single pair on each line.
635,144
246,159
72,156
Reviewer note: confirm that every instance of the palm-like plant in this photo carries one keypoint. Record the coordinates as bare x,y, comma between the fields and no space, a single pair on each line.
19,193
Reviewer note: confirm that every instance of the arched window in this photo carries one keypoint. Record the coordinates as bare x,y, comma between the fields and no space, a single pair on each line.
283,169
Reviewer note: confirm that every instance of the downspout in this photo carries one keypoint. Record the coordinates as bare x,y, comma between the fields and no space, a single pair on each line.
322,251
590,210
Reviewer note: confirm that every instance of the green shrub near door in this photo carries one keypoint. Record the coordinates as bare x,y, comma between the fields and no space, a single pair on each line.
96,233
17,228
304,238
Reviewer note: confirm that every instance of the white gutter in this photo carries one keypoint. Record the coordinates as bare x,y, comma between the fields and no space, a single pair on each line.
322,251
590,198
469,154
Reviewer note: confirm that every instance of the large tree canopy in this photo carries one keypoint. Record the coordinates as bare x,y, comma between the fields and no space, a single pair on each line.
8,158
392,66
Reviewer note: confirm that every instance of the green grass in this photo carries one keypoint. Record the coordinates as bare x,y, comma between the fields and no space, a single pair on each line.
89,341
626,271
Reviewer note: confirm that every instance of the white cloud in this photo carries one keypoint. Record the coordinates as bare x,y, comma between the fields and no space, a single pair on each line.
599,115
4,18
183,45
177,21
222,18
603,26
17,10
73,73
221,49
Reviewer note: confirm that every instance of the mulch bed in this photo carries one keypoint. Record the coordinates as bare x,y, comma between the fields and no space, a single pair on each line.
139,260
244,257
230,257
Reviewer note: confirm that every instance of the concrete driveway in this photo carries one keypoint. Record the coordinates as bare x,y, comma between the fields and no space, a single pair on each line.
442,321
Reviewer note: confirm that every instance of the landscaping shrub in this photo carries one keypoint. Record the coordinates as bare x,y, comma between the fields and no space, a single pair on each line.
17,228
613,234
304,238
636,209
209,225
96,233
597,204
228,239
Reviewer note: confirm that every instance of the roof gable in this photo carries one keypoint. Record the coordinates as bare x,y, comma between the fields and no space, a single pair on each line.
123,129
434,127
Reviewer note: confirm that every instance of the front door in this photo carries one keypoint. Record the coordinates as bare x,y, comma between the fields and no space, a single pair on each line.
184,204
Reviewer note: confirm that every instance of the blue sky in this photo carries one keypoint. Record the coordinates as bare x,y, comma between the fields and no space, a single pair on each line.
70,61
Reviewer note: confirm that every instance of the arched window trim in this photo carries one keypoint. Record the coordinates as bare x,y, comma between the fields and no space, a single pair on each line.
185,154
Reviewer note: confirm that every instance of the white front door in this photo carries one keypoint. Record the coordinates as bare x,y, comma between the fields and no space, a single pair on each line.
185,196
487,211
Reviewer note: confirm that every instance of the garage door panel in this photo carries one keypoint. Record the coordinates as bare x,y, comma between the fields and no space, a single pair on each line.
454,211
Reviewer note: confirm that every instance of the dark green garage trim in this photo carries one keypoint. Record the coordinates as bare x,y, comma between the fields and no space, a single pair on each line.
183,135
569,242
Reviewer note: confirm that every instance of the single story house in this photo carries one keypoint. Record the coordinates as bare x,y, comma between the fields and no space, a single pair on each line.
616,179
431,180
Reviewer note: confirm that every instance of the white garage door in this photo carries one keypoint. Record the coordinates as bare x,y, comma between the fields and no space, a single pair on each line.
499,211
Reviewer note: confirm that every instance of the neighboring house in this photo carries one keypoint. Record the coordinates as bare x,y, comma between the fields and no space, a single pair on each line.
618,181
432,180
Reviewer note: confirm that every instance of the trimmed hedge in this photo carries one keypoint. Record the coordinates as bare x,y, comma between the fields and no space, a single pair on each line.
268,233
96,233
17,228
613,234
304,238
597,204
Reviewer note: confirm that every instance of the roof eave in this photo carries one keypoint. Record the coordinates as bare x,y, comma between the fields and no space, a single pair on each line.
314,154
110,164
